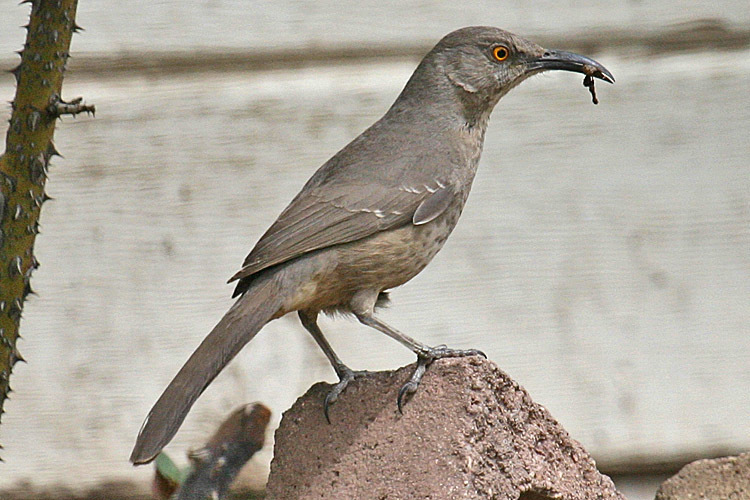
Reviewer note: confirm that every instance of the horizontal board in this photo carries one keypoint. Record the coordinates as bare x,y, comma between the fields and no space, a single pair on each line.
119,28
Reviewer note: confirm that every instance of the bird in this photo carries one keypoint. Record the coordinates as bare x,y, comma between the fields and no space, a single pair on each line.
371,217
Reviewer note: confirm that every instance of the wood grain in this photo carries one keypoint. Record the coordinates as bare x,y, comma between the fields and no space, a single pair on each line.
603,258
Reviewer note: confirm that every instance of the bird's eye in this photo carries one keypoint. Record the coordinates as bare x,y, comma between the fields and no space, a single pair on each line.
500,53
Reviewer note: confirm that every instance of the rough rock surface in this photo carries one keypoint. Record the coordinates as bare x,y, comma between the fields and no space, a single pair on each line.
470,432
726,478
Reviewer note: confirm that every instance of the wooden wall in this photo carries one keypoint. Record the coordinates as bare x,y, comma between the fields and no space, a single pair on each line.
603,259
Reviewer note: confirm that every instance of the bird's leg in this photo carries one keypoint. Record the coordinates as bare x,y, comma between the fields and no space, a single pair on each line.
345,374
425,354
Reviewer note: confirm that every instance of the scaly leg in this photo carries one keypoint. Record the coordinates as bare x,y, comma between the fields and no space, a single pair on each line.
425,354
345,374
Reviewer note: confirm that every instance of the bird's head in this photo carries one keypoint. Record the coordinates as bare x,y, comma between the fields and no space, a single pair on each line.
479,65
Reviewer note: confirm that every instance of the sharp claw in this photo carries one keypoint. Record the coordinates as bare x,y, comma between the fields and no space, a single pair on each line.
346,375
407,389
425,359
330,399
411,386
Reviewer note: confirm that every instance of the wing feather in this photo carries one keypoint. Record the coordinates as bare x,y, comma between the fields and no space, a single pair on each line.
333,214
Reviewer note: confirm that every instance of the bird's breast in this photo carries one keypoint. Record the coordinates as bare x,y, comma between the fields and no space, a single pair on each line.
379,262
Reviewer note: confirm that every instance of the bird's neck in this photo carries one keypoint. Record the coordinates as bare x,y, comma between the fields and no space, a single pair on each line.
432,99
446,119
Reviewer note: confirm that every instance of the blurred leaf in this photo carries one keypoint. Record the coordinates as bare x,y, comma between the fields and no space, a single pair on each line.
167,476
168,469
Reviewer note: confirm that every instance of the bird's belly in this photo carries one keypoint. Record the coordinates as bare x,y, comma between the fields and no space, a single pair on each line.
391,258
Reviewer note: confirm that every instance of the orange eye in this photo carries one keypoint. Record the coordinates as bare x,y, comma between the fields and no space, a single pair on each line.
501,53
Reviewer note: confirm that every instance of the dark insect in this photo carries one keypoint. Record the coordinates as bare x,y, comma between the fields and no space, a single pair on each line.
588,81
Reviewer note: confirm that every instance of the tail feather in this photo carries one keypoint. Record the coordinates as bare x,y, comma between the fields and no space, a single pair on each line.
238,326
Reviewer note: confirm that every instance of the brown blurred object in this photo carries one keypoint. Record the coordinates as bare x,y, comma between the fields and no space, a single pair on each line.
163,487
215,465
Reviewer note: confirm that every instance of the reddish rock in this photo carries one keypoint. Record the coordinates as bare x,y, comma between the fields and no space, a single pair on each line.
470,432
726,478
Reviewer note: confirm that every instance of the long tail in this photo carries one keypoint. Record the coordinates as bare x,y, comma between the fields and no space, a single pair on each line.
238,326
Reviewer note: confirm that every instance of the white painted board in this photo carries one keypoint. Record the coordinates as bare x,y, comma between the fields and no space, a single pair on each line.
603,259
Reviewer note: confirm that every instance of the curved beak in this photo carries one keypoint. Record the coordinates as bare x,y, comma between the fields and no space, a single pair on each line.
569,61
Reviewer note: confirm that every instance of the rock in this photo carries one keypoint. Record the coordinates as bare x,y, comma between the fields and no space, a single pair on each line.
726,478
469,432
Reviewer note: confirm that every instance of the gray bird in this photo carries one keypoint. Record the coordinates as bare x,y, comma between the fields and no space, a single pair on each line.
372,217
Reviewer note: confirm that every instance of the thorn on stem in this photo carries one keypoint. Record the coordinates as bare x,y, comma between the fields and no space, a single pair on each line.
52,150
14,267
15,357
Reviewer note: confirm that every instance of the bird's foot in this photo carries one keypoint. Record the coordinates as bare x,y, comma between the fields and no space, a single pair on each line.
424,360
346,375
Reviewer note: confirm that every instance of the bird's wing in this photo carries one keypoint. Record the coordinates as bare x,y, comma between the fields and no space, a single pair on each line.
335,213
